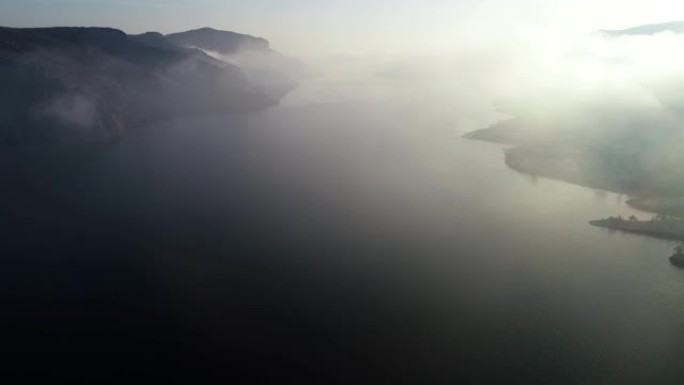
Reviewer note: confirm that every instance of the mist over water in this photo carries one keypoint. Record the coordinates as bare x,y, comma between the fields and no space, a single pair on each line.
349,235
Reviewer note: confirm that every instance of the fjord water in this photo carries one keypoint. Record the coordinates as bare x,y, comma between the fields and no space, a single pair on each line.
344,240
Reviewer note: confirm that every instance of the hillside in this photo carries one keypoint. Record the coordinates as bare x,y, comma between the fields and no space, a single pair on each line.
224,42
63,85
267,69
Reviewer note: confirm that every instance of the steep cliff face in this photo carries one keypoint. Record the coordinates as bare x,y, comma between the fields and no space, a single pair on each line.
270,71
93,84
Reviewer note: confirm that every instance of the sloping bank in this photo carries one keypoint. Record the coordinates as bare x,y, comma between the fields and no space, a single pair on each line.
626,165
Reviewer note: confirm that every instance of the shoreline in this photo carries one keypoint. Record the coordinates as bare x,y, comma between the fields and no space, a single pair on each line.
566,164
666,230
533,160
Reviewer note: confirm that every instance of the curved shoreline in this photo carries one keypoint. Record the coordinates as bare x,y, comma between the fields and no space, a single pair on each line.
570,165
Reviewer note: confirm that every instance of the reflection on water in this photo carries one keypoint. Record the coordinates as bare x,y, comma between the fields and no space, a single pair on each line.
341,242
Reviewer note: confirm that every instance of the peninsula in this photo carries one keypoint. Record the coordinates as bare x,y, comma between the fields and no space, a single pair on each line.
659,227
627,165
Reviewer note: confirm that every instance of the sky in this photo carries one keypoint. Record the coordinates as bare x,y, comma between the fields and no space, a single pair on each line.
349,26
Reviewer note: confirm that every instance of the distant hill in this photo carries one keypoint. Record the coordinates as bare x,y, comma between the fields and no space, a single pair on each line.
64,84
223,42
649,29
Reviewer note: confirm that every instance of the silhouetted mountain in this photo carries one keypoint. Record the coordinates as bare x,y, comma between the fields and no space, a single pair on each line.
154,39
64,84
223,42
649,29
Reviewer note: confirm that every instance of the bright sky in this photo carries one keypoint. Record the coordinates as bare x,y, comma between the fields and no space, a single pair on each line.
347,26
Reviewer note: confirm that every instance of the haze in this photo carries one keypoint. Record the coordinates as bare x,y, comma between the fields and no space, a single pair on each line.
349,26
342,192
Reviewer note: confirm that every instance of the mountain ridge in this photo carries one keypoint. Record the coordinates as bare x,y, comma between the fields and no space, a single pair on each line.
224,42
91,83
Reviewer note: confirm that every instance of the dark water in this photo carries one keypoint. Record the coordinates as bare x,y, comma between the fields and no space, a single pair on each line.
328,243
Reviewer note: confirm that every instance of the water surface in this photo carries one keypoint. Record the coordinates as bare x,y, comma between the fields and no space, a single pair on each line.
349,241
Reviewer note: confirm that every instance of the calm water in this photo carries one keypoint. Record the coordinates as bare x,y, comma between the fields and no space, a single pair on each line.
339,242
